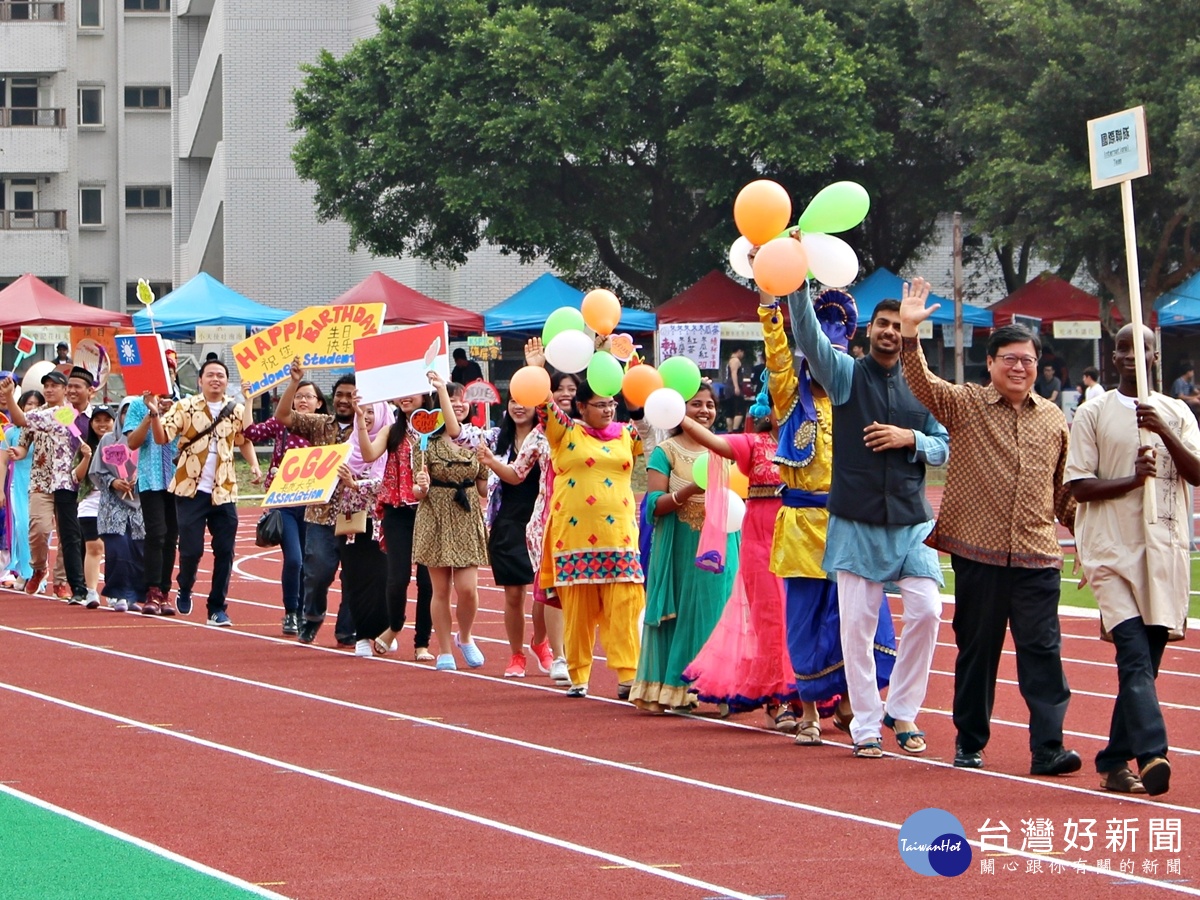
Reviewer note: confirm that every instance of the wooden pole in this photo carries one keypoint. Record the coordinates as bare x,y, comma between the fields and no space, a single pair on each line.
959,351
1139,344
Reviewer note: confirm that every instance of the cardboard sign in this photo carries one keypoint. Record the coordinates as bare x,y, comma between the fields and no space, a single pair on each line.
119,457
322,336
699,342
1117,147
396,365
307,475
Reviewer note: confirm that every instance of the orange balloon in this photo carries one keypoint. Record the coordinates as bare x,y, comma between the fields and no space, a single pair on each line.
530,386
739,483
639,383
762,210
780,266
601,311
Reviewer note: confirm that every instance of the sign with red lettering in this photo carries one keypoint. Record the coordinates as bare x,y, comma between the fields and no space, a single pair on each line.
307,475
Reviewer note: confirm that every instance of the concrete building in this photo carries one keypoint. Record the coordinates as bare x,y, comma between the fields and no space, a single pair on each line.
241,213
85,139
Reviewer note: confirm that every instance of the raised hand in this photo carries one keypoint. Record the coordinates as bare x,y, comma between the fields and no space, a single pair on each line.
912,306
297,371
535,353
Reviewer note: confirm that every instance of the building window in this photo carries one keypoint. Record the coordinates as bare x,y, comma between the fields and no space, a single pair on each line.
132,304
91,206
147,5
90,15
91,294
148,198
147,98
91,105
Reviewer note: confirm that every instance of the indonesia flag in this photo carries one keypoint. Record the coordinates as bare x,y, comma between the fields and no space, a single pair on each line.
143,362
395,364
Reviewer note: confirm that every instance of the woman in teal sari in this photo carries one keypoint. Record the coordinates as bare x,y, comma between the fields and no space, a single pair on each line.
17,508
683,600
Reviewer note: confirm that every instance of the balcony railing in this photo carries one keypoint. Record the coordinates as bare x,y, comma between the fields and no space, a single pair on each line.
28,117
33,220
30,11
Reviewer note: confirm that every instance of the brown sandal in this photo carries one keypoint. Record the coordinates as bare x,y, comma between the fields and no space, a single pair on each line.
809,733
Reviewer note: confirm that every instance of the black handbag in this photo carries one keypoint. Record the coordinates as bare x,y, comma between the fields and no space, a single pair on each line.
269,531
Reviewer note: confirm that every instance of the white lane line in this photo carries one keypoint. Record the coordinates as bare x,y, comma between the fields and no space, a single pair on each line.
1041,783
1080,693
144,845
278,764
560,843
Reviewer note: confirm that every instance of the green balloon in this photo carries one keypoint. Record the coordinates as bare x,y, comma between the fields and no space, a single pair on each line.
604,374
682,375
700,471
838,207
565,318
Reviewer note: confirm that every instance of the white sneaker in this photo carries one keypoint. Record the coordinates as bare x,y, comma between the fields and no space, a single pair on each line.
93,599
558,671
363,648
116,604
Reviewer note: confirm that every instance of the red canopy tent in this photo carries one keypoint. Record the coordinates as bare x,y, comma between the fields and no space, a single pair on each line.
1050,299
714,298
408,307
30,301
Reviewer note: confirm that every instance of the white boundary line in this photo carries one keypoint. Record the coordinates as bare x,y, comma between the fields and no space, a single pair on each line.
144,845
615,859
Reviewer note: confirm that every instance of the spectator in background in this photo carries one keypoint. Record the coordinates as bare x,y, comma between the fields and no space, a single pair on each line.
465,370
733,398
62,354
1048,387
1092,388
1184,387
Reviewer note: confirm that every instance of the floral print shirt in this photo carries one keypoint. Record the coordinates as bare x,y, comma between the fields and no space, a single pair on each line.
186,419
52,447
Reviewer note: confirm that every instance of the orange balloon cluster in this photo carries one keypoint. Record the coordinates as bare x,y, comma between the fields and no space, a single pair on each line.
762,210
780,266
601,311
530,386
639,383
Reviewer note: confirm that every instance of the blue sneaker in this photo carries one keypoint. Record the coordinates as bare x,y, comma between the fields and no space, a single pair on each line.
220,619
445,662
471,653
183,603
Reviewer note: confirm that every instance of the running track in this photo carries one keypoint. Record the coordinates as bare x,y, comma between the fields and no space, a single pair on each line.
317,774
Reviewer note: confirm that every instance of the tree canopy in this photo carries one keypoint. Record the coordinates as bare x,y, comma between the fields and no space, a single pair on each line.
618,132
1021,79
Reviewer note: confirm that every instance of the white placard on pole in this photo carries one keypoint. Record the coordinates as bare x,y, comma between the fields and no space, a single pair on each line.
1119,152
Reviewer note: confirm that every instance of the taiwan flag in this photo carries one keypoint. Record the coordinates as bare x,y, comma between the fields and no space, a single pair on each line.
143,362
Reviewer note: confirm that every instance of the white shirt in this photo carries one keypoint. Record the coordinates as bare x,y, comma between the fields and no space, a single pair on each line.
209,474
1094,392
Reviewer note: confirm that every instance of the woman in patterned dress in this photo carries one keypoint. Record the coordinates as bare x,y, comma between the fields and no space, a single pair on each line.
683,601
450,538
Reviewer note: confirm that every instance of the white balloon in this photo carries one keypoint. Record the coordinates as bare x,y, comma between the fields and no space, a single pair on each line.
734,513
570,351
34,375
830,259
739,257
665,408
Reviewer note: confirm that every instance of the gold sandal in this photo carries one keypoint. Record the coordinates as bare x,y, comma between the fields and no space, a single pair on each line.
809,733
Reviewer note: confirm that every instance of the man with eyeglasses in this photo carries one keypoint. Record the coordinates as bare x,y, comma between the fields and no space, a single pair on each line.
320,543
1003,490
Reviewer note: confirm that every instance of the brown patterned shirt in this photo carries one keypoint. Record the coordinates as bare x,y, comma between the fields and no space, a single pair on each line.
186,419
1005,483
321,431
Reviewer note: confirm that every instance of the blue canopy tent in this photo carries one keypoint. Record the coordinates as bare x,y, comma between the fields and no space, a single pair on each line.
882,284
526,311
1180,306
203,301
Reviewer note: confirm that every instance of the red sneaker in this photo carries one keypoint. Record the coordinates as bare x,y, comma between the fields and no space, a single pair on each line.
35,581
160,601
62,591
543,655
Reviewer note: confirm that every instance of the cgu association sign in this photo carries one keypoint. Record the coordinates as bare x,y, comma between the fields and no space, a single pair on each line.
306,475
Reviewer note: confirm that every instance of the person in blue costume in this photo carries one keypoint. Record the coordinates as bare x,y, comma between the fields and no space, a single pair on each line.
883,438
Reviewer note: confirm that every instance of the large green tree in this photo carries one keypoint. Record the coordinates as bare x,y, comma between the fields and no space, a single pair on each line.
585,133
1021,78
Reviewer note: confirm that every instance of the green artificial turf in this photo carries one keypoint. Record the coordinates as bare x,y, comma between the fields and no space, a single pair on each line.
48,855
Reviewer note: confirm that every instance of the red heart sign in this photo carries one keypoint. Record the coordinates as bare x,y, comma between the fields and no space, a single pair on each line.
425,421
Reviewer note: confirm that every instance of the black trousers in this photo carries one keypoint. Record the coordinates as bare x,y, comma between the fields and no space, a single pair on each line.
194,513
364,583
987,600
398,524
162,536
70,539
1137,730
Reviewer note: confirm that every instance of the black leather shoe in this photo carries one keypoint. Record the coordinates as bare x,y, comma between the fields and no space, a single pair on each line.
967,760
1055,762
291,623
308,631
1156,776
